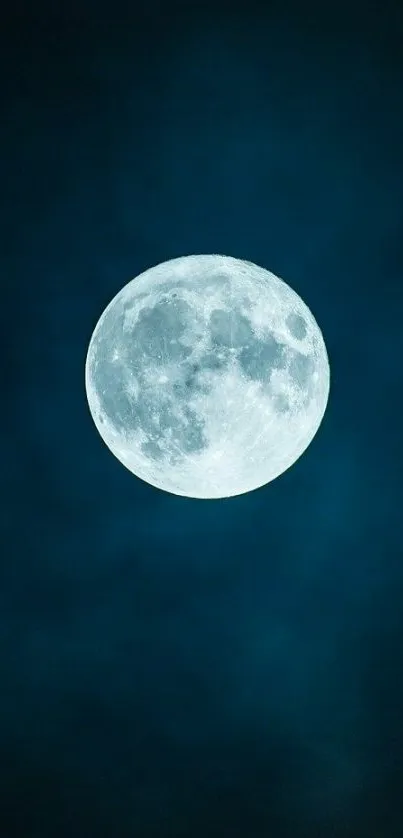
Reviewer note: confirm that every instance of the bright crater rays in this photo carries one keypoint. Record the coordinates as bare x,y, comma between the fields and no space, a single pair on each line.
207,376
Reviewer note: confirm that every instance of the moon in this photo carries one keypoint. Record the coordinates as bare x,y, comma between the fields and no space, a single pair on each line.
207,376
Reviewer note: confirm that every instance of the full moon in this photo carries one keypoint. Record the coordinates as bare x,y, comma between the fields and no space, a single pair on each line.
207,376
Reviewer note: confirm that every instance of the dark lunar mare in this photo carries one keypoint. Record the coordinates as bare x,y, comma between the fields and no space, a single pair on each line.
155,342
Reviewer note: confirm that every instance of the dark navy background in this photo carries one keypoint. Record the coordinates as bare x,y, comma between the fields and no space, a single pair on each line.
174,668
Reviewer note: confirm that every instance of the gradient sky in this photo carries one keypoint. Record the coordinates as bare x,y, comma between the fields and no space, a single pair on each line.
175,668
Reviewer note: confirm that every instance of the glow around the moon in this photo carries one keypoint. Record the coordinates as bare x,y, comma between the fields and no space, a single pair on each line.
207,376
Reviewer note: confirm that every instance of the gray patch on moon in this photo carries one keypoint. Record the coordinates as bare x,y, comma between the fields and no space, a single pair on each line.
157,334
229,329
261,357
301,367
175,435
296,325
212,362
256,357
152,449
192,380
281,403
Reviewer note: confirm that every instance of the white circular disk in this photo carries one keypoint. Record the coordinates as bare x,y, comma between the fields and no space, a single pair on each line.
207,376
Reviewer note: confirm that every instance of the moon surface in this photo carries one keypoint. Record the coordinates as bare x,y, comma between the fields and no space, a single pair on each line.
207,376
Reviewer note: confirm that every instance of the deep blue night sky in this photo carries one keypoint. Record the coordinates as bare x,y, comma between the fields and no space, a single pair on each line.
174,668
